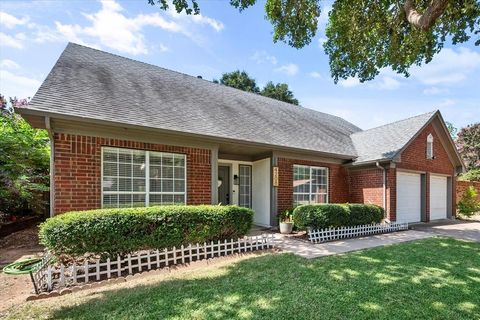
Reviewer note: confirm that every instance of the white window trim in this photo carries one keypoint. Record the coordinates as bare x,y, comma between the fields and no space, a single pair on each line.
310,184
147,177
430,155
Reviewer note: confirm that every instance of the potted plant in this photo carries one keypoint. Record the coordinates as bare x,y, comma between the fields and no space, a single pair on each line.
286,221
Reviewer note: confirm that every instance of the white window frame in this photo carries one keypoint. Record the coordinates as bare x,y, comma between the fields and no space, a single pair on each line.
310,184
147,177
430,155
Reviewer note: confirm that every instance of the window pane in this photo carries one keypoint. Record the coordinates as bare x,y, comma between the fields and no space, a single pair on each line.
245,186
139,185
167,185
110,200
167,172
124,184
110,184
179,199
110,169
138,200
110,154
155,185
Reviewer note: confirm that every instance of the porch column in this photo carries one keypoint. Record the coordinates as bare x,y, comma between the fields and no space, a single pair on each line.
214,178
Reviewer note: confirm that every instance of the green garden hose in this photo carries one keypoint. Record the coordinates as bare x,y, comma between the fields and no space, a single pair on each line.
22,266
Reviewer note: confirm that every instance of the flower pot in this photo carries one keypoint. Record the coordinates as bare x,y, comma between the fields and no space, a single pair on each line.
286,227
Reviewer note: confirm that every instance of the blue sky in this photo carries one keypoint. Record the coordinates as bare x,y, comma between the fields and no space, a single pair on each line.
33,34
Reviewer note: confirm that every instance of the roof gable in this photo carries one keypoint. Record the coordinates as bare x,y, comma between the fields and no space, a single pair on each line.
90,84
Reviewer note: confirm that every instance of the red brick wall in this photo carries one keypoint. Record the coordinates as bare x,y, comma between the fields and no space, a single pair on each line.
366,186
78,170
414,158
338,182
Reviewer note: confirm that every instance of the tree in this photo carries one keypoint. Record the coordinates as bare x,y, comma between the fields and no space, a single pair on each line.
468,144
451,129
364,37
469,204
279,91
240,80
24,162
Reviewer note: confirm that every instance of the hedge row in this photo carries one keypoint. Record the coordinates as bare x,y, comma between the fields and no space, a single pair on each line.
120,231
321,216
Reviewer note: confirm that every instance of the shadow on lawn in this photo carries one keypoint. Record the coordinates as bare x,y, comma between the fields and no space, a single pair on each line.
433,278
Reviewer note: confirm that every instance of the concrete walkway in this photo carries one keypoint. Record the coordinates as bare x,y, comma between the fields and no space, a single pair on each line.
305,249
460,229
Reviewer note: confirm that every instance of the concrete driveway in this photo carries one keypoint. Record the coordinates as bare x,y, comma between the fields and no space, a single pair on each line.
468,230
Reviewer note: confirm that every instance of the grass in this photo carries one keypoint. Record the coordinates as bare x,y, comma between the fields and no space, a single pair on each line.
437,278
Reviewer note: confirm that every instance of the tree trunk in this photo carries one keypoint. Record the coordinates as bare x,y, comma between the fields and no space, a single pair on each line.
426,20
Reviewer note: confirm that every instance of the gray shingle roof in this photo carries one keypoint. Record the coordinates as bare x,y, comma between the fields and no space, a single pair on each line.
92,84
386,141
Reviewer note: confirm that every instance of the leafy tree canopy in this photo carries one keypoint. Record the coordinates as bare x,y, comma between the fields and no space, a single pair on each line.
279,91
24,162
365,36
241,80
468,144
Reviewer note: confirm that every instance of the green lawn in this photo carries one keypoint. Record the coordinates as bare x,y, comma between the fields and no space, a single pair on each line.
437,278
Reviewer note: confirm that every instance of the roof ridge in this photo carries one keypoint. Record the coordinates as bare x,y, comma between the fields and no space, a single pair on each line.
394,122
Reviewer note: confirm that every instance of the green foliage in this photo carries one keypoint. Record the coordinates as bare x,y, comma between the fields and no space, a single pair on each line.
286,215
472,175
120,231
240,80
451,129
468,144
469,204
24,165
364,37
321,216
279,91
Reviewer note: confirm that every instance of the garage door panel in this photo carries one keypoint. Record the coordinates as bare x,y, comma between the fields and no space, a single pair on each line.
438,197
408,197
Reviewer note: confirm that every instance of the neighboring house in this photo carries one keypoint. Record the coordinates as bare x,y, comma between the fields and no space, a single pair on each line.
126,133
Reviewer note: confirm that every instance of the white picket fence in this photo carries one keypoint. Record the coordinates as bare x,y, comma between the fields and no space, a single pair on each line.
324,235
48,277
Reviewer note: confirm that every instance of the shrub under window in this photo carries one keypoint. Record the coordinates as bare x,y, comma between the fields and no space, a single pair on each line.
120,231
321,216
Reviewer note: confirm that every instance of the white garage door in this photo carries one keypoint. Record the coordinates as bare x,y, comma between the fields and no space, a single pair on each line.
438,197
408,197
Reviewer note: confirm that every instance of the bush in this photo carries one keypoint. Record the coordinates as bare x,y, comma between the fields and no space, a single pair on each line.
321,216
109,232
469,204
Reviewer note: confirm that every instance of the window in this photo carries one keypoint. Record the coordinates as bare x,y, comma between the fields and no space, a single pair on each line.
245,184
310,185
137,178
430,146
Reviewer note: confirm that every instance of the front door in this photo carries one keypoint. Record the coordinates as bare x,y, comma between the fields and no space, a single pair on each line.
224,184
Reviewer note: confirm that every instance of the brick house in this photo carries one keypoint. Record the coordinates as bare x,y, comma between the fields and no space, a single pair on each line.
126,133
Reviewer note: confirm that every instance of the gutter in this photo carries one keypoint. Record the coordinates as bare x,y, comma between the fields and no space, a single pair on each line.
377,164
48,126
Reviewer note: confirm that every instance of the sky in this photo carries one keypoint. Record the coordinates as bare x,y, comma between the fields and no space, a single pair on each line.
34,33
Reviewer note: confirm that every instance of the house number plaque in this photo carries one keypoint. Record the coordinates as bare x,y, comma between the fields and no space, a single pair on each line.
275,176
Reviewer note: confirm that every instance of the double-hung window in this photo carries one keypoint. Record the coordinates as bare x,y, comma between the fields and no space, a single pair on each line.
310,185
137,178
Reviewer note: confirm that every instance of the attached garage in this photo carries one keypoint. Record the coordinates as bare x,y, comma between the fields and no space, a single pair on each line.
409,194
438,197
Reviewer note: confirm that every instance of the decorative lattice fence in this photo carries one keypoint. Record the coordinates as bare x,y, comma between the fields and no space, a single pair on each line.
48,277
324,235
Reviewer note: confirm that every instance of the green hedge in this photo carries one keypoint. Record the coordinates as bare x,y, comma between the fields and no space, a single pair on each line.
120,231
321,216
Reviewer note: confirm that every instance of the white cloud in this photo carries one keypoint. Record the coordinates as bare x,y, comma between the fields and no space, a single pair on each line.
315,74
290,69
386,83
349,82
434,91
263,57
12,84
16,41
10,21
9,64
448,67
111,28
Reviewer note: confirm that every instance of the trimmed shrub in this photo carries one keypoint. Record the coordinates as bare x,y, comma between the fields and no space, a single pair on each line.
321,216
119,231
468,204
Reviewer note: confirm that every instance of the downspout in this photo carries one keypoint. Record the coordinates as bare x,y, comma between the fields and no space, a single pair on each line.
48,126
384,185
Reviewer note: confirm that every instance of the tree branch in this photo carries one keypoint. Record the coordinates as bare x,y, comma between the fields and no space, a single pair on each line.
426,20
